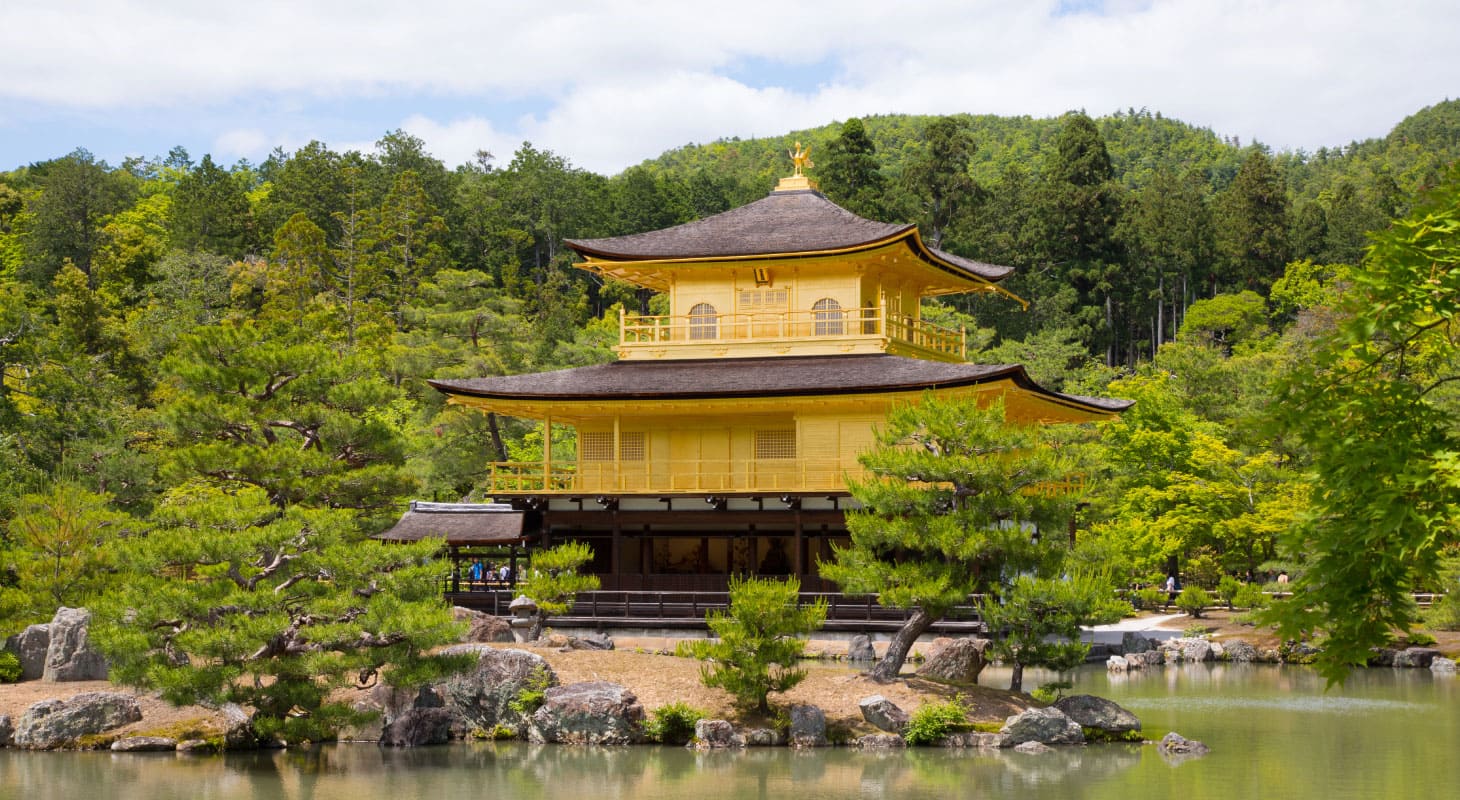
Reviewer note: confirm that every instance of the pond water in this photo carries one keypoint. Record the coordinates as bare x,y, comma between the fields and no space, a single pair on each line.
1274,733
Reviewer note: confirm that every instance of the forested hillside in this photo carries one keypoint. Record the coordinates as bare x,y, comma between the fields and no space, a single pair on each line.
176,332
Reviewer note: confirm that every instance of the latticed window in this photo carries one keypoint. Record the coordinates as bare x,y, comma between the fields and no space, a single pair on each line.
828,315
775,444
598,445
763,299
703,321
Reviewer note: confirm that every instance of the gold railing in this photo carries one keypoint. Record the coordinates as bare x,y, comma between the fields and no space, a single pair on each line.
692,476
784,325
676,475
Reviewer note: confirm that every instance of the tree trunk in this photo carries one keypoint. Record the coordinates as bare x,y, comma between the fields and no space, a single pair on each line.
1016,678
539,621
886,670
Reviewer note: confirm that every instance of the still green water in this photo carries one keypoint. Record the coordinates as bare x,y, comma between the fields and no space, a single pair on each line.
1273,731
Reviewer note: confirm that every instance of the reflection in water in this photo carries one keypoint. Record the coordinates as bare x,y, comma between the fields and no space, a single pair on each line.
1274,732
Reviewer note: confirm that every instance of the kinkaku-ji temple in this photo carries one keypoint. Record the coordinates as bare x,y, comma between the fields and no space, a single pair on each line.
720,441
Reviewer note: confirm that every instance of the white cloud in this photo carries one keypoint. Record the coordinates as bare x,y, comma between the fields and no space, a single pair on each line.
621,82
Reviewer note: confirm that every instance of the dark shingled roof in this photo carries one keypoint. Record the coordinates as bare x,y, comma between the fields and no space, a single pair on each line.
753,377
784,223
458,523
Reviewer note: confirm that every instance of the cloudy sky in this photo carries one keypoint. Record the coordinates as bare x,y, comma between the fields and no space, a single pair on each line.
609,84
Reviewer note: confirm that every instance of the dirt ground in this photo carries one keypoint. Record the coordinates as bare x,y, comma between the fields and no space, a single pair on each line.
641,664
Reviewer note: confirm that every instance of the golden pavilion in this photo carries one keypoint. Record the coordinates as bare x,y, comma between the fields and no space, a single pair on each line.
720,441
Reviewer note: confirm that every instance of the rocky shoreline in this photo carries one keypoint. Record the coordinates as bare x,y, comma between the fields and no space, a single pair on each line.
515,693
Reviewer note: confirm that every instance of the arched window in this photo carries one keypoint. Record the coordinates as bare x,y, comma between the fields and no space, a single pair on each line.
703,322
828,315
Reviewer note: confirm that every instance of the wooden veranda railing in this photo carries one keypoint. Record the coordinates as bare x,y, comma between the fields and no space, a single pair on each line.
633,609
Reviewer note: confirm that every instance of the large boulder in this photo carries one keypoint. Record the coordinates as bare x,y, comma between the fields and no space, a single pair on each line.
238,732
1240,651
861,649
58,723
808,726
70,656
482,699
1442,664
959,662
416,727
1097,712
1134,642
489,628
714,734
1191,650
1047,725
7,730
764,737
1116,664
30,646
1416,657
595,712
883,713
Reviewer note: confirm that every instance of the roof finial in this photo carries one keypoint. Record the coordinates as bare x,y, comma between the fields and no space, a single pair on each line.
801,159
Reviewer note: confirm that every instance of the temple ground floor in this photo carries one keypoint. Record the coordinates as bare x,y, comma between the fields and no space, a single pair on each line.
664,561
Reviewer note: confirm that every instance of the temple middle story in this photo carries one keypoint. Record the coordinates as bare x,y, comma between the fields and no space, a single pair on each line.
721,440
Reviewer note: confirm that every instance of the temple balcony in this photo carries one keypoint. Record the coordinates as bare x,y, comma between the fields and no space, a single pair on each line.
687,476
778,333
676,476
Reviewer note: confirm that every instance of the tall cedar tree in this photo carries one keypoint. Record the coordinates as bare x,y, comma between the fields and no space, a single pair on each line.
1081,207
938,177
949,509
210,212
850,174
1251,226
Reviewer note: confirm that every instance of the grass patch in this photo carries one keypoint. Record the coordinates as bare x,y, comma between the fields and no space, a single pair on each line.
1102,736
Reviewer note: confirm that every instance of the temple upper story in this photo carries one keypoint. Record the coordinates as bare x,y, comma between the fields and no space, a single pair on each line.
792,274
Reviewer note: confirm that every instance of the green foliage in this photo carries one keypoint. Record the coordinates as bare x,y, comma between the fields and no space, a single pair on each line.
9,667
1227,589
1048,693
953,496
935,720
529,697
1150,598
1037,620
758,644
231,599
552,580
1420,639
1194,601
673,723
1372,408
1102,736
1249,596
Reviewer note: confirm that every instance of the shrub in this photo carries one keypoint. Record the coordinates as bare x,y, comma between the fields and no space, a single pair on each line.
1193,600
757,649
1050,692
1150,598
9,667
673,723
1250,596
1228,588
929,724
1420,639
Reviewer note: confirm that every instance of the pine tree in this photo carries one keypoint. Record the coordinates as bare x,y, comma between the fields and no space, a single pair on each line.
1251,226
850,174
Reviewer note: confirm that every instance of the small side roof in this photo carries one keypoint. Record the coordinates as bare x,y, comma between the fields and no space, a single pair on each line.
460,524
786,223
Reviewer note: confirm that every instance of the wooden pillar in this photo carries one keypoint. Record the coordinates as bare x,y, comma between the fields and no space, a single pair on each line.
614,566
547,453
798,561
512,566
